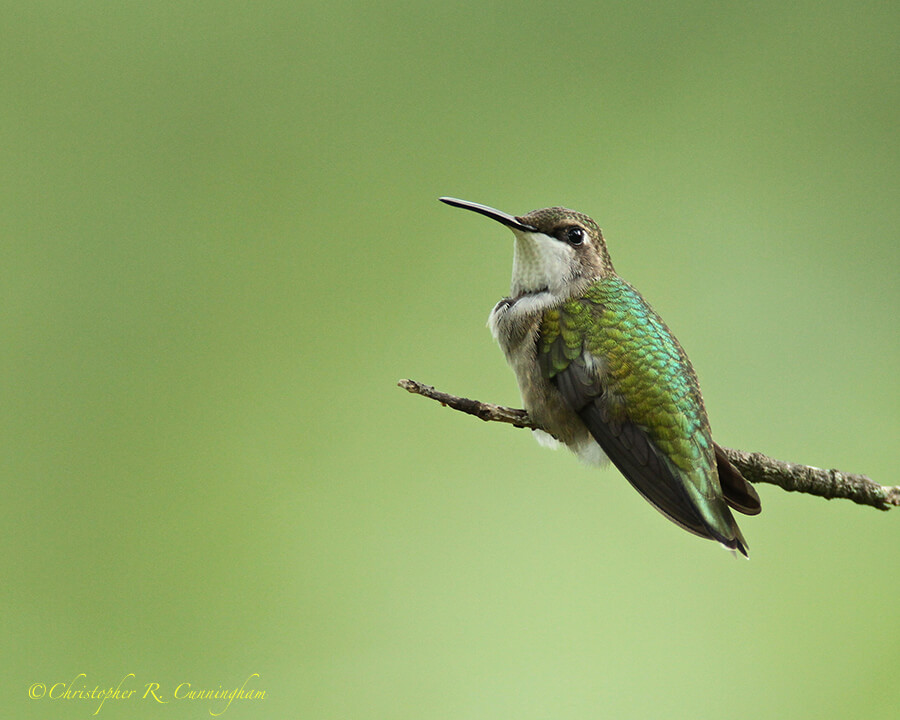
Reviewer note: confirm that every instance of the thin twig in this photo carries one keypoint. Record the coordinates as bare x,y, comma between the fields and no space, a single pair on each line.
755,467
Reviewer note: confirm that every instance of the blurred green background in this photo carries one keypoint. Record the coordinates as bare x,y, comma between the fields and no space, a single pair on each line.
221,248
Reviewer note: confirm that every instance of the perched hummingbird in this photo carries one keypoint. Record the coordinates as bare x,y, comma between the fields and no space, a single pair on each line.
599,370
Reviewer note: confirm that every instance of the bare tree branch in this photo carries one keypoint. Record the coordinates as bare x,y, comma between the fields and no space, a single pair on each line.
755,467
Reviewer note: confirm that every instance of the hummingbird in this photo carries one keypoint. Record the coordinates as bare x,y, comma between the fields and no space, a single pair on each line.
601,373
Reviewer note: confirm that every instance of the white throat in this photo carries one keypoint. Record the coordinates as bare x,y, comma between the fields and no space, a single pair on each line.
540,263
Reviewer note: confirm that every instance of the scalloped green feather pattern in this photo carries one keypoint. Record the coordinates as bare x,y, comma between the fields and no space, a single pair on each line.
644,373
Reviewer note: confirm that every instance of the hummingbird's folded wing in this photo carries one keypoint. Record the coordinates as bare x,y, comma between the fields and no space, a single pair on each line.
630,449
617,365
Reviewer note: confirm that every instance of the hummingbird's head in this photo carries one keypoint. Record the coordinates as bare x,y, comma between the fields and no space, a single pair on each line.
557,249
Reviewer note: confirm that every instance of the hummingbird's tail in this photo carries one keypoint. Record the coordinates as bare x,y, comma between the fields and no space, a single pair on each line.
739,493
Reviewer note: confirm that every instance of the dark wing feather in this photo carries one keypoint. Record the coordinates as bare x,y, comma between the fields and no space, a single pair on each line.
632,452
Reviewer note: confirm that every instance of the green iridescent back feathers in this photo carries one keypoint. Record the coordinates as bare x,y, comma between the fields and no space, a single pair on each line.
644,367
620,368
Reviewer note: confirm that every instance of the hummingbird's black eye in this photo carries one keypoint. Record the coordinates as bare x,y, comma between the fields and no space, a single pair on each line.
574,235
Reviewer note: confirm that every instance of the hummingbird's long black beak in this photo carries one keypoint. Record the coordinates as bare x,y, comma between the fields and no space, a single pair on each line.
490,212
